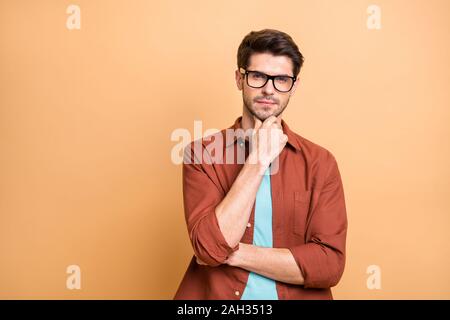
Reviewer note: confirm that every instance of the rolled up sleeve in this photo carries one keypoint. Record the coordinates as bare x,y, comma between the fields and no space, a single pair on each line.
322,258
201,194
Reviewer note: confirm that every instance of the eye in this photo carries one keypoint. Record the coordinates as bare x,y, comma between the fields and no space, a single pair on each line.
282,79
257,75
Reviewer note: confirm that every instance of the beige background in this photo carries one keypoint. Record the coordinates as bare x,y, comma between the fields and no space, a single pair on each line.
86,117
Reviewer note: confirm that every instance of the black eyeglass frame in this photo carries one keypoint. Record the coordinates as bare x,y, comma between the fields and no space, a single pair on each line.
246,72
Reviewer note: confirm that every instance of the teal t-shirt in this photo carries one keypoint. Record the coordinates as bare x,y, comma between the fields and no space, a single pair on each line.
259,287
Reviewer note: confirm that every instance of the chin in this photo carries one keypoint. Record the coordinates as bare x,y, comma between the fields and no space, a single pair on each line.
265,115
262,114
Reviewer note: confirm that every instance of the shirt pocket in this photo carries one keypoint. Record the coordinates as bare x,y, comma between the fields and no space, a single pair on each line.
302,201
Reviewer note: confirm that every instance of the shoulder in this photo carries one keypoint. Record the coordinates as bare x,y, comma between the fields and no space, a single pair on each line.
319,159
314,151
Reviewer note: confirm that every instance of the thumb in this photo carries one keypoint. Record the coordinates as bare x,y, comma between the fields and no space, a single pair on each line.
258,123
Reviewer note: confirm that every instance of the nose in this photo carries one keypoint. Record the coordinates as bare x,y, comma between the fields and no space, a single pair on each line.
268,88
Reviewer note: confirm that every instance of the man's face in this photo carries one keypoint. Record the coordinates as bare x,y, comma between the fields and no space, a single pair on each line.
266,101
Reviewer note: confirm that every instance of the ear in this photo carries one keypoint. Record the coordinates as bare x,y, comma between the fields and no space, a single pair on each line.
291,93
239,80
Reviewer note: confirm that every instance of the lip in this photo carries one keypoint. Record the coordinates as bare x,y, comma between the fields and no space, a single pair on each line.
265,101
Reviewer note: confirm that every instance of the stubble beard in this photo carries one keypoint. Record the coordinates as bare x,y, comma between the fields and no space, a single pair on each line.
248,104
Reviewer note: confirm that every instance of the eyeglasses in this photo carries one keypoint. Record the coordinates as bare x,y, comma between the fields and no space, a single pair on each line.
256,79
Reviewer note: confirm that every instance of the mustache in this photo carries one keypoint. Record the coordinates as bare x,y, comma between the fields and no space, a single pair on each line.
266,98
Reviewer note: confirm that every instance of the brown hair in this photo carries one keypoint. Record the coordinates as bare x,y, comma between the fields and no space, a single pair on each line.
271,41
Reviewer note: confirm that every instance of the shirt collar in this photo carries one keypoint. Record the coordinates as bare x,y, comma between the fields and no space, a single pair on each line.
292,141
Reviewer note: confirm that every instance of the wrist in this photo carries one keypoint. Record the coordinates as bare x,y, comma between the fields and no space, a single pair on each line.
255,163
236,259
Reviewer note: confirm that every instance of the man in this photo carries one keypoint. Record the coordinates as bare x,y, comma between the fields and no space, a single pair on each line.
259,230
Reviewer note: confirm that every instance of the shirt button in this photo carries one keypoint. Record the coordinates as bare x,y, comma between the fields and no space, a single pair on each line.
249,225
237,293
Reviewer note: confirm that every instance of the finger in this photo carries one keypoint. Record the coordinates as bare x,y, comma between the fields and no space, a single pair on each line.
278,122
257,126
276,125
257,122
269,121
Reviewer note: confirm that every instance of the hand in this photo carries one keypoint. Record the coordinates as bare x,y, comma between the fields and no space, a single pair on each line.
232,259
200,262
267,141
235,258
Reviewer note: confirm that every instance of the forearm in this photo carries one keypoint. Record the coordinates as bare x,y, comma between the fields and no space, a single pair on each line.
274,263
234,211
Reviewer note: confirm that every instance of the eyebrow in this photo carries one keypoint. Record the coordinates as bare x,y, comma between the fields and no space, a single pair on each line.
275,75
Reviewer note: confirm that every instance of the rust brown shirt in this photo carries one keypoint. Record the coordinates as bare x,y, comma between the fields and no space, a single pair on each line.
308,218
